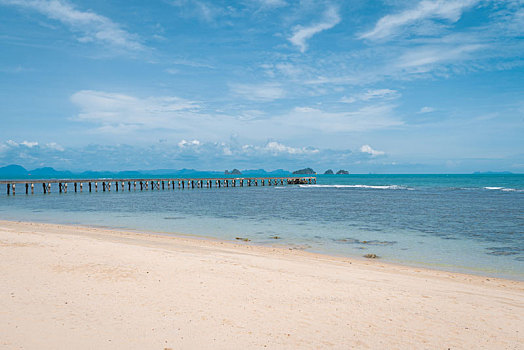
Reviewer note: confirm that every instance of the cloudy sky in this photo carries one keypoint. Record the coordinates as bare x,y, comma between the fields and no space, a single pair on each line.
387,86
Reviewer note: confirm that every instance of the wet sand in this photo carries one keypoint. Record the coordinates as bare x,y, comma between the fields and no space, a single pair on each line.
68,287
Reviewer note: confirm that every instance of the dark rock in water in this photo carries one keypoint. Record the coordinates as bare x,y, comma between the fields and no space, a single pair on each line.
233,172
371,256
276,237
357,241
305,171
242,239
329,172
342,172
297,182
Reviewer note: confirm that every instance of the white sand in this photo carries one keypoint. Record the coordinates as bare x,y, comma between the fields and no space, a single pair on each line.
64,287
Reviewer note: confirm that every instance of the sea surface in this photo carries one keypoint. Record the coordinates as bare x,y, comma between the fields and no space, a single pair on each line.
462,223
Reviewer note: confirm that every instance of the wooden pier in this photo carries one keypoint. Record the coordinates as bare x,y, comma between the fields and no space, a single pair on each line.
103,185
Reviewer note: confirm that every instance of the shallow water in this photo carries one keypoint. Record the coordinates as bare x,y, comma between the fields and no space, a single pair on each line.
467,223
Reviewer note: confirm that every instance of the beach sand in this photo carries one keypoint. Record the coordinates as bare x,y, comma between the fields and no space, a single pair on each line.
68,287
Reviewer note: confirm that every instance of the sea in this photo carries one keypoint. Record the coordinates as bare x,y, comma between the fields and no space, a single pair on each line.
459,223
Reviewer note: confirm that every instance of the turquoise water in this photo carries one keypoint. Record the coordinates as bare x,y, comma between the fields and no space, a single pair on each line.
466,223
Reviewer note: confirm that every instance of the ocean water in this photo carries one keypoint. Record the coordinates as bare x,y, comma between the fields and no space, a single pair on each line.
464,223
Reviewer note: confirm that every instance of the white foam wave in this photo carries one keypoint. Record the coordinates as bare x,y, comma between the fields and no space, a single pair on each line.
374,187
504,189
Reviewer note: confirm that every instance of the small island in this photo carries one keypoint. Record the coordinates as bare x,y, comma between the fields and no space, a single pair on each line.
305,171
233,172
329,172
342,172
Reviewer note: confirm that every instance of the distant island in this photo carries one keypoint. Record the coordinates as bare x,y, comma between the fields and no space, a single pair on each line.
305,171
233,172
340,172
15,171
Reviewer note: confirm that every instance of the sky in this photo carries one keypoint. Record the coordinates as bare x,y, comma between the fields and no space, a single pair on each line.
388,86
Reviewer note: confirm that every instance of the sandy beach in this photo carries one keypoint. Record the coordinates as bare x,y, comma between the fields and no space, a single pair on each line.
66,287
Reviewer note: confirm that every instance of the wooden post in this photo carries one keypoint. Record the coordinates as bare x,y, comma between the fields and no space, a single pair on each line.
8,188
116,186
89,186
59,187
75,186
26,188
103,186
44,188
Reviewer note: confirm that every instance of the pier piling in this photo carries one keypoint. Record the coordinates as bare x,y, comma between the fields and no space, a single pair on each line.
158,184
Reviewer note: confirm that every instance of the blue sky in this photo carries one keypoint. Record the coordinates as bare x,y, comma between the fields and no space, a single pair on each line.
387,86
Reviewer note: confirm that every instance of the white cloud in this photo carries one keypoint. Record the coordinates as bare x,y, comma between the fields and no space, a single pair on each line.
185,143
261,92
128,117
29,144
422,59
276,147
116,109
369,150
390,25
363,119
91,26
426,110
302,34
383,94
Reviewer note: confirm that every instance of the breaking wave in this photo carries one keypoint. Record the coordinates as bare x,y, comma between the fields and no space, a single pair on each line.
374,187
503,189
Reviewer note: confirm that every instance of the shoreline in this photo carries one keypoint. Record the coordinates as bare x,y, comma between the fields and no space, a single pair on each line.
253,247
418,265
86,287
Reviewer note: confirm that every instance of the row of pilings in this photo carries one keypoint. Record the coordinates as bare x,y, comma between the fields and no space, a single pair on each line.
104,185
